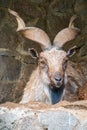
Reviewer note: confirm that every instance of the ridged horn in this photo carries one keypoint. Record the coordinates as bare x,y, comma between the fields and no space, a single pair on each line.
66,34
32,33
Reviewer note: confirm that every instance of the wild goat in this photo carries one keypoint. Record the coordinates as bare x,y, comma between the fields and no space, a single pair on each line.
48,81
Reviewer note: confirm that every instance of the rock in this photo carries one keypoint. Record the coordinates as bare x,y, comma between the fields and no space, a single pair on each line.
38,116
82,93
75,81
7,90
49,15
58,15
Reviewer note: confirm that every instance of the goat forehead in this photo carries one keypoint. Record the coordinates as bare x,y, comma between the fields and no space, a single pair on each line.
53,55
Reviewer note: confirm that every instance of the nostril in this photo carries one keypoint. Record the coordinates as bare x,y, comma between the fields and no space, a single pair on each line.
58,78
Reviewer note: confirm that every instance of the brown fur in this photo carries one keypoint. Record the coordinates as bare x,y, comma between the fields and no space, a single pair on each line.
37,88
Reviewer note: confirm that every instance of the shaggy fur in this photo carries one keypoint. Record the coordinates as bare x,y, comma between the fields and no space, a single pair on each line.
47,82
39,86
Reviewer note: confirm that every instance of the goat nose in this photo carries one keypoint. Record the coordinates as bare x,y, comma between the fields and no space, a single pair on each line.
58,77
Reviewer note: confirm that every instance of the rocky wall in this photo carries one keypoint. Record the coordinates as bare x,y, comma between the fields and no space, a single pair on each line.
49,15
16,66
38,116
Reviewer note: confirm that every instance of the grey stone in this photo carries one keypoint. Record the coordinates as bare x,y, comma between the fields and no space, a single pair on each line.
62,116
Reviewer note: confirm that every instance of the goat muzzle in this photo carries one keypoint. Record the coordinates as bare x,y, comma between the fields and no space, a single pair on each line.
57,80
56,84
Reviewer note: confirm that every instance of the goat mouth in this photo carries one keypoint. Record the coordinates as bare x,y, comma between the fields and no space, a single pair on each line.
54,86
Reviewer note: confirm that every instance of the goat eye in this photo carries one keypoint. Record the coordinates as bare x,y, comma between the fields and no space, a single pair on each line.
43,64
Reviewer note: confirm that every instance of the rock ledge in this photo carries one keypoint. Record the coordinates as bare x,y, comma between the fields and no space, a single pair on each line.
38,116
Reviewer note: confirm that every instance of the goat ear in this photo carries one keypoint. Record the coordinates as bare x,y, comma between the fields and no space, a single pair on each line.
71,51
33,53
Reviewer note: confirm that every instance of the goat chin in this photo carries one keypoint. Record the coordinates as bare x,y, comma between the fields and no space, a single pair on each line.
57,94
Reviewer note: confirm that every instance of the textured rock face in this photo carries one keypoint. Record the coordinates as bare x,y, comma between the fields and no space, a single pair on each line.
82,93
15,67
49,15
37,116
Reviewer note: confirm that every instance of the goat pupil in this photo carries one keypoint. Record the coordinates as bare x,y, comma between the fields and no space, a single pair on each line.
33,53
43,64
